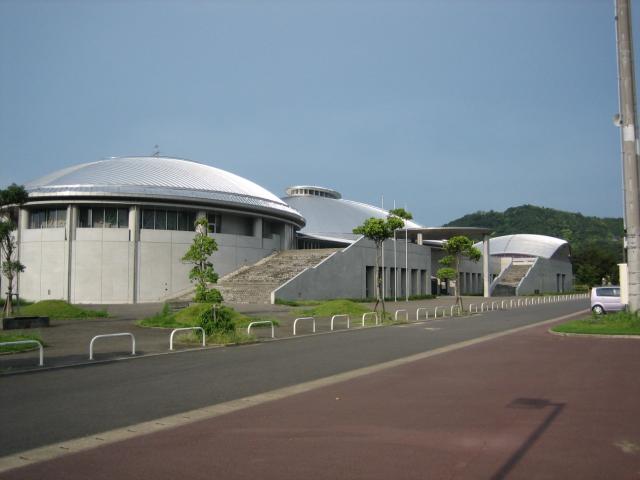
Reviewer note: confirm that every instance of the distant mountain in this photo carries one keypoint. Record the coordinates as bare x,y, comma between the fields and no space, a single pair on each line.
596,243
573,227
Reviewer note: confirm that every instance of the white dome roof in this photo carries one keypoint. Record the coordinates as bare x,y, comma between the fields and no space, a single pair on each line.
157,177
334,218
527,244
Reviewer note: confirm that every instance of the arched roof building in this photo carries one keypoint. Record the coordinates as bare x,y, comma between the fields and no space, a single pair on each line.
115,230
329,217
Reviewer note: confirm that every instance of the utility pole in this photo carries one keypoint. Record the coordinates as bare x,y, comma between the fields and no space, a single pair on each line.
627,123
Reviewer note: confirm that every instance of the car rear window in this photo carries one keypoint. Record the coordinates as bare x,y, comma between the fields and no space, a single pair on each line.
608,292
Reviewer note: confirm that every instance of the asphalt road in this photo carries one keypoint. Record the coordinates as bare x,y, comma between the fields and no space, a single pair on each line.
52,406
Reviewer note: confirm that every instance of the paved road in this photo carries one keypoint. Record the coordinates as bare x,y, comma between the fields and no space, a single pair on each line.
528,405
52,406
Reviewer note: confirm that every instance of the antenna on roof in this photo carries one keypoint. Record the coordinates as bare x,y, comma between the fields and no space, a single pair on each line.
156,151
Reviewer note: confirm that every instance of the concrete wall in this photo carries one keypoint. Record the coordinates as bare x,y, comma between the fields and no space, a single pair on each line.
343,274
543,277
123,265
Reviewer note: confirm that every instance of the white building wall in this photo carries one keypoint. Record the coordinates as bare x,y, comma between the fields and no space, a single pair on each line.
343,274
542,277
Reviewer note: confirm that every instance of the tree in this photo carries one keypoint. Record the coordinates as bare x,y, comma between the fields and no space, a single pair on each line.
378,230
202,272
10,199
457,248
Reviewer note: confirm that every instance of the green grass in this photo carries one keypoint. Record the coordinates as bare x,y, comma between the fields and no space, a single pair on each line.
621,323
59,309
297,303
190,317
13,337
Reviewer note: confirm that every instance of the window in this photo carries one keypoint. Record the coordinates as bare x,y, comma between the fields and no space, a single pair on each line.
608,292
48,218
215,222
161,219
103,217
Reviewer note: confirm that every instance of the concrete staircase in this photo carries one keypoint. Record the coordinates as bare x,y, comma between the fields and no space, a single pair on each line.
254,283
510,279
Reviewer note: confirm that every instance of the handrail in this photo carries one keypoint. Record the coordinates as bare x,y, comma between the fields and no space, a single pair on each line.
406,315
426,311
342,315
364,315
173,332
109,335
435,312
273,335
304,318
22,342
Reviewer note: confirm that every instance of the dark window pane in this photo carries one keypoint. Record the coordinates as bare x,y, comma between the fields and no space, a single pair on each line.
83,217
35,220
148,219
50,218
110,218
61,217
161,219
123,218
97,217
172,220
183,221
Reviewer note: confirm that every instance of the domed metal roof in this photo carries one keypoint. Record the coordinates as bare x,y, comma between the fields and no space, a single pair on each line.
528,245
157,178
334,219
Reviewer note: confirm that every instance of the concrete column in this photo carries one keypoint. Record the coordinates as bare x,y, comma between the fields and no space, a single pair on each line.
134,251
485,265
23,222
70,236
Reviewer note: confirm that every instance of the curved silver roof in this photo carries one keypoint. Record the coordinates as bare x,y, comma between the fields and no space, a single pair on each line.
158,177
527,244
335,218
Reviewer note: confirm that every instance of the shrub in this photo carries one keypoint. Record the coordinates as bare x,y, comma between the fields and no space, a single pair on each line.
206,295
217,319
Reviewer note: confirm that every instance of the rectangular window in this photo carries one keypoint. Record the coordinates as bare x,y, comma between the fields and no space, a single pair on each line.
110,218
47,218
186,221
123,218
161,219
148,219
97,217
84,217
172,220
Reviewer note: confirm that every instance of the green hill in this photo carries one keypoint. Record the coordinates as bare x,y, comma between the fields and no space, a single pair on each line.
596,243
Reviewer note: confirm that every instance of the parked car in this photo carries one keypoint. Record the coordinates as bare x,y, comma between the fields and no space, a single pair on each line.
606,299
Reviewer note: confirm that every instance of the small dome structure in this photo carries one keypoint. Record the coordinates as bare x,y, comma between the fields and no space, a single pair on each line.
528,245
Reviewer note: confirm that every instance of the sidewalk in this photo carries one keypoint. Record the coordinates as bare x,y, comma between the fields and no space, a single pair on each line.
68,340
522,406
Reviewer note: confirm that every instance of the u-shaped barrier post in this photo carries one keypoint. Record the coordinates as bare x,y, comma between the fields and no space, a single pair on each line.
261,322
109,335
471,309
435,312
456,307
295,322
24,342
173,332
482,305
406,315
496,304
341,316
426,312
375,314
502,303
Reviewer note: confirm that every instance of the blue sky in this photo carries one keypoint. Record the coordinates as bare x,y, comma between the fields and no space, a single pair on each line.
447,107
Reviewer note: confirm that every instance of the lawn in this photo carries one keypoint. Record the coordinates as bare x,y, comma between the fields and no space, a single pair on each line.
621,323
13,337
58,309
339,307
190,317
